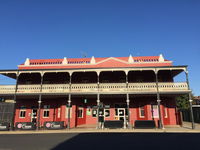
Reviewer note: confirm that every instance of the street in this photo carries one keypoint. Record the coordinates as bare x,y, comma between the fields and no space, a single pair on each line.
100,141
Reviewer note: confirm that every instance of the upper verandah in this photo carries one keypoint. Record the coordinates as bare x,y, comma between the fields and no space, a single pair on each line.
108,62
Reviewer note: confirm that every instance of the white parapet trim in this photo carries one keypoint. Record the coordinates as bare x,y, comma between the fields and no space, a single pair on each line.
161,58
64,62
92,60
27,62
130,59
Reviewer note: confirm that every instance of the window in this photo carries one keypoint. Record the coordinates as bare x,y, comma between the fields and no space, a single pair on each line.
155,111
66,113
106,113
94,112
46,111
80,112
22,112
142,112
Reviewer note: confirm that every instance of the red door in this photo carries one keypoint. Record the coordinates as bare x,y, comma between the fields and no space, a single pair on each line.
165,115
80,115
57,114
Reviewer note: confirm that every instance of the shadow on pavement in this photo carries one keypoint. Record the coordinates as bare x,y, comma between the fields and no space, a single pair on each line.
102,141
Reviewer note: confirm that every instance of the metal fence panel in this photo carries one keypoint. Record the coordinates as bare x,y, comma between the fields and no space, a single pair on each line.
6,112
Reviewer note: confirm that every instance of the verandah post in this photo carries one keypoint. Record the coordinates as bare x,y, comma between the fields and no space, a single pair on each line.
190,100
158,101
69,103
127,100
15,99
98,100
39,102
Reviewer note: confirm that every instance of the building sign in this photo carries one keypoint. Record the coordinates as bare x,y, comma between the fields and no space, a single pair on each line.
25,126
4,126
54,125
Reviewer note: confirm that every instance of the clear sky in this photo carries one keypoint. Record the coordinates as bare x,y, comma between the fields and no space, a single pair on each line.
101,28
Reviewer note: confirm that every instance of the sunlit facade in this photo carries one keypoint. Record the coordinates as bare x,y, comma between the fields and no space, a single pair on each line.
70,91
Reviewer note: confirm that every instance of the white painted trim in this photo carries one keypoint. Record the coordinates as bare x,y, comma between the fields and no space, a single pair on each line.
130,59
161,58
92,60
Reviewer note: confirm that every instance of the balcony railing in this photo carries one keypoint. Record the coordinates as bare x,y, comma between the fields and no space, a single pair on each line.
93,88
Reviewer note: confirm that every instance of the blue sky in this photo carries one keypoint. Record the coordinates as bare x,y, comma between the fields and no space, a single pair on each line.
101,28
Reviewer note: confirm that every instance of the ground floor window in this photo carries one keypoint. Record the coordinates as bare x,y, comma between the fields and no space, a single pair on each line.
46,111
67,111
142,111
80,112
154,111
94,112
22,112
106,113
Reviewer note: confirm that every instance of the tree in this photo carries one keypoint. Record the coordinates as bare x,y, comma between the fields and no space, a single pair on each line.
182,102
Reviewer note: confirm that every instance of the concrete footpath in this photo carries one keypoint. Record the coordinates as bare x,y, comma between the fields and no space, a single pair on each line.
186,128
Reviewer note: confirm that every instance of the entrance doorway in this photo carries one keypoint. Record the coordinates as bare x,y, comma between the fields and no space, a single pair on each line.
121,112
34,115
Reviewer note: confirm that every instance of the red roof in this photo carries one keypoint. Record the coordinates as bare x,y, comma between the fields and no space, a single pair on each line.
110,62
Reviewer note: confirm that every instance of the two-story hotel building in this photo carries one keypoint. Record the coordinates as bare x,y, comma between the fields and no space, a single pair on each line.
70,89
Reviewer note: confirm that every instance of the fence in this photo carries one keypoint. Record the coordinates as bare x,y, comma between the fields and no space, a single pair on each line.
196,114
6,112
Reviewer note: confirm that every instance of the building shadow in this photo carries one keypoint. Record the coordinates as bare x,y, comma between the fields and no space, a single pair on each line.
121,141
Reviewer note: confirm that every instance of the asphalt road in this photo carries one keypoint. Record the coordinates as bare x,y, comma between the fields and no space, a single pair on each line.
101,141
